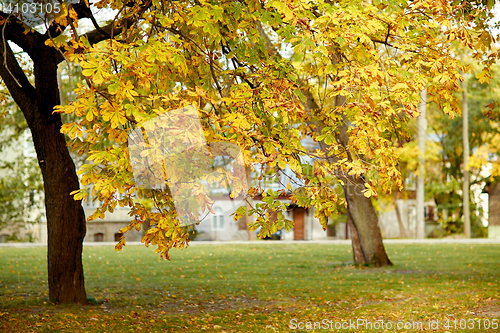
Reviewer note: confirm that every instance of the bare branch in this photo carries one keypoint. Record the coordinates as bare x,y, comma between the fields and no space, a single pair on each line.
14,31
20,88
115,28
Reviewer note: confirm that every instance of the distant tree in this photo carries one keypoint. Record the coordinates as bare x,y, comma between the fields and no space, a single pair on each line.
20,180
20,192
445,181
484,135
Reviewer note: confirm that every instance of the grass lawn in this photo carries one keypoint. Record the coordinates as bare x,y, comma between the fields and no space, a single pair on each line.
266,287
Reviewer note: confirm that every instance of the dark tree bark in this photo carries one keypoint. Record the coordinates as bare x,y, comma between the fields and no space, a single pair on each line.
65,216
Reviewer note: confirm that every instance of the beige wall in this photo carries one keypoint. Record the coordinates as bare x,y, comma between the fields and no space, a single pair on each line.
109,229
111,225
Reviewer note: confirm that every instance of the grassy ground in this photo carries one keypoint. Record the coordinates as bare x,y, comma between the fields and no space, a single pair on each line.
259,288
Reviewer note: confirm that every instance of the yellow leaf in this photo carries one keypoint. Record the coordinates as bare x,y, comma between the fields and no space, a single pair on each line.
282,163
88,72
90,115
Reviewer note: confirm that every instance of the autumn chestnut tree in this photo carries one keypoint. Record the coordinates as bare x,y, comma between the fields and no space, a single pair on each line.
264,75
35,90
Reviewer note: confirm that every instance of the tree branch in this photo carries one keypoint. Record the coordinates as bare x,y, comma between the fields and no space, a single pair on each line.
97,27
20,88
15,32
113,29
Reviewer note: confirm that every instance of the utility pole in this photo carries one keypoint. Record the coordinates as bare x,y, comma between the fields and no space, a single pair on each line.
248,204
465,190
422,127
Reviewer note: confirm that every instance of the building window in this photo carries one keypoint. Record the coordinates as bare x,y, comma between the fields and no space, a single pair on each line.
94,202
3,238
331,230
429,213
412,217
31,198
29,147
118,235
411,182
218,219
90,202
99,237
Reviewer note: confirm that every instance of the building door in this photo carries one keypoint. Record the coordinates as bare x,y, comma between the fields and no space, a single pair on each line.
298,219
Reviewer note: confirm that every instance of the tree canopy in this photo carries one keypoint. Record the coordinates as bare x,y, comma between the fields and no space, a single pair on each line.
264,76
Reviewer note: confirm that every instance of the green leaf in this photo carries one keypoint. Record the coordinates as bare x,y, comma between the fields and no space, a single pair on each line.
300,95
113,88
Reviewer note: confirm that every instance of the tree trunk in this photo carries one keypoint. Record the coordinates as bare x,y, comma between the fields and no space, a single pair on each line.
252,235
365,230
65,216
466,182
361,210
402,229
422,128
365,220
357,252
